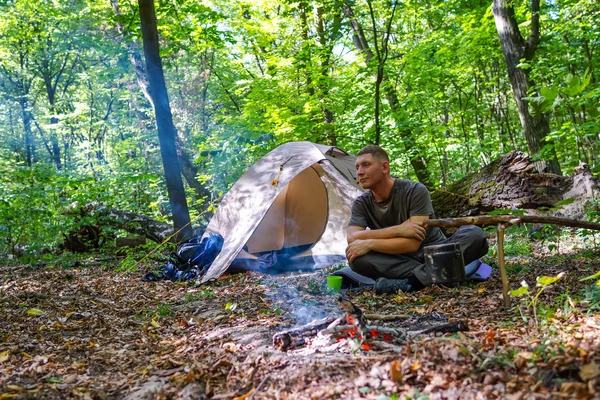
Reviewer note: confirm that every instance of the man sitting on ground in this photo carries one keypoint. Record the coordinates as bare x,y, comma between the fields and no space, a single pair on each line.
394,210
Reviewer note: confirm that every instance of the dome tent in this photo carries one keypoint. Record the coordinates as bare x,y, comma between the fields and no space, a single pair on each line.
295,201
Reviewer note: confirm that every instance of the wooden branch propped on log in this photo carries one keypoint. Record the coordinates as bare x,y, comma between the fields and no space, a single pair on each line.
484,220
503,222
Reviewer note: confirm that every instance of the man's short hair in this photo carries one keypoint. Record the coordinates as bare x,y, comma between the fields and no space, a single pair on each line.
376,151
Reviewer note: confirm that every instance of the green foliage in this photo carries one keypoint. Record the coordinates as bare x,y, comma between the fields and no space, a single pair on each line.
530,299
245,76
30,203
591,298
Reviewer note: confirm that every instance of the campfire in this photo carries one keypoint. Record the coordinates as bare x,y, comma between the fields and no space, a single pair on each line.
355,328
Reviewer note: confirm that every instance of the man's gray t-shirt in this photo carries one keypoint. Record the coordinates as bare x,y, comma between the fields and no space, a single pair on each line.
407,199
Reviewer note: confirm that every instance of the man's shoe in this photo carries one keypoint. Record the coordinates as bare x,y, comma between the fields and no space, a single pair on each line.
385,285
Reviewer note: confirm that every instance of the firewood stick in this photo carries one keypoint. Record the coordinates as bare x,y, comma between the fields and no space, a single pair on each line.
450,327
344,328
384,317
503,219
501,265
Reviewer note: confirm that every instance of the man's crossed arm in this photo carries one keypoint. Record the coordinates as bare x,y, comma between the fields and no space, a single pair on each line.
397,239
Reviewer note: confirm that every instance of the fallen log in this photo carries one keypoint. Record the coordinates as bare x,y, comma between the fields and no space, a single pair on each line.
512,182
127,220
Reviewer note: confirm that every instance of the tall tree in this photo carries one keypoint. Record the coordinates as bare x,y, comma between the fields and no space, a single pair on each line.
515,48
164,120
188,169
362,45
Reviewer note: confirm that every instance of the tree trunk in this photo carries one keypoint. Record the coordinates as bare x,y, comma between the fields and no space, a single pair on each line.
515,48
511,183
327,38
164,121
188,169
406,135
29,149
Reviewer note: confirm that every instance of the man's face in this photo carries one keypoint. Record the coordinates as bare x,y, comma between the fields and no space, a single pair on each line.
370,171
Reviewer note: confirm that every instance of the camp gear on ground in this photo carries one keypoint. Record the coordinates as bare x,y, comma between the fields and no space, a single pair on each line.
299,194
385,285
192,260
334,283
444,263
351,279
482,274
476,271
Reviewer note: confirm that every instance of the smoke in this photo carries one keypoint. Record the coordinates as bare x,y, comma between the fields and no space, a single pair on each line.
303,297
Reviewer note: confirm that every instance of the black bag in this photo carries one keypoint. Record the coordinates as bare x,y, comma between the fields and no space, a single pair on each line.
192,260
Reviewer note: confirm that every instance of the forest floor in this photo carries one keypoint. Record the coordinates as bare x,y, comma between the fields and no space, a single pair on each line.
86,331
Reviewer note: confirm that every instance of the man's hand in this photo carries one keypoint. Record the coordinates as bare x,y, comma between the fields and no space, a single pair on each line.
410,229
357,248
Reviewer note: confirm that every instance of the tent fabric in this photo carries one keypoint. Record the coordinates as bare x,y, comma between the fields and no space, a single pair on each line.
299,194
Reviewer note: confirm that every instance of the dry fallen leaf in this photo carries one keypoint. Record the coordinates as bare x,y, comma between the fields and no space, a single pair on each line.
589,372
575,390
522,358
34,312
4,355
245,396
395,372
8,396
488,340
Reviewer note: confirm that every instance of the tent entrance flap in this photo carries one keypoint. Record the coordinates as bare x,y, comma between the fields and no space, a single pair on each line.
297,217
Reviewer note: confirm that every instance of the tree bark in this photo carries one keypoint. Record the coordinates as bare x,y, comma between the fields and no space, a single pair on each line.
515,48
29,149
510,182
164,121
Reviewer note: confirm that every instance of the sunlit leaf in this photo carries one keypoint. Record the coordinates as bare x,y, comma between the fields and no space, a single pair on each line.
519,292
549,280
35,312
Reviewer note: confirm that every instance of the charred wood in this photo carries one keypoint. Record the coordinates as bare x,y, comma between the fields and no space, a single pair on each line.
398,333
295,337
450,327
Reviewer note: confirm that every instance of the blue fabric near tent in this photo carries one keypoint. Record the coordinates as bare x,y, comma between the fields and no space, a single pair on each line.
191,261
276,261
